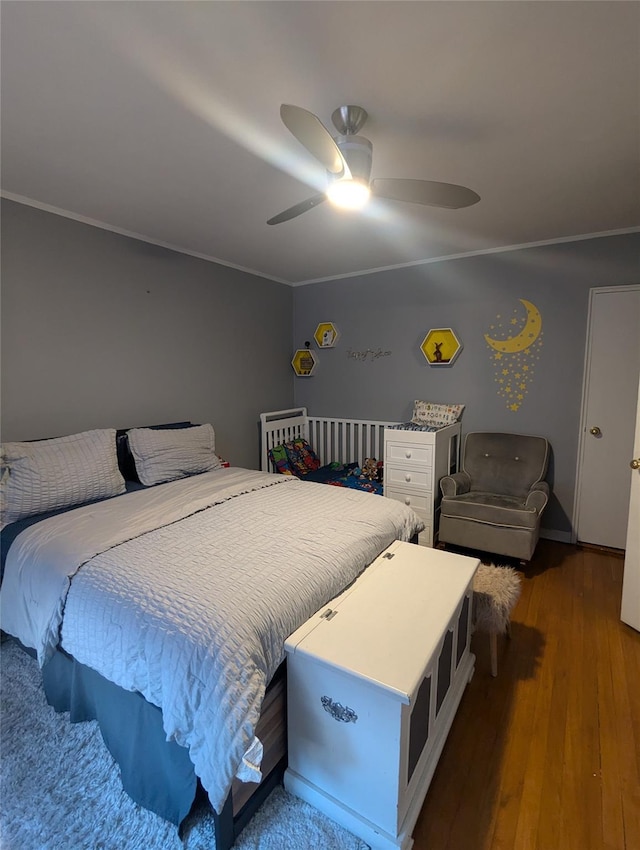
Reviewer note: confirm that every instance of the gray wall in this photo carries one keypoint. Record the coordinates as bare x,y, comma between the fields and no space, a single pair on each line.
99,330
393,311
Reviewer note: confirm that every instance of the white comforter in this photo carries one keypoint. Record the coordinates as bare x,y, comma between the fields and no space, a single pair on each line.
186,593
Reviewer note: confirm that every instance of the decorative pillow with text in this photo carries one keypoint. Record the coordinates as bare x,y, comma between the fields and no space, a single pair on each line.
439,415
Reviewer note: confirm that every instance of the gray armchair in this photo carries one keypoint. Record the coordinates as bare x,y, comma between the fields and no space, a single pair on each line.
496,501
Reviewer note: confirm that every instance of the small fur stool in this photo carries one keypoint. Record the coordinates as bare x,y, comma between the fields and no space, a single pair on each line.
495,592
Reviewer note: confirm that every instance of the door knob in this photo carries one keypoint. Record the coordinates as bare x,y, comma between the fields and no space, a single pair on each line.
635,463
595,431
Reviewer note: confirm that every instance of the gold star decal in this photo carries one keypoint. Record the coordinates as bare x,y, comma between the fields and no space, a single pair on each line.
515,365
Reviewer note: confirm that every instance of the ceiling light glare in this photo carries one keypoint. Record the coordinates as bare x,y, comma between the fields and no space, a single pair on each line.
348,194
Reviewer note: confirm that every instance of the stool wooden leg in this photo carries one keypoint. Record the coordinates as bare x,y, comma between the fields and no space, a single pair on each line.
493,645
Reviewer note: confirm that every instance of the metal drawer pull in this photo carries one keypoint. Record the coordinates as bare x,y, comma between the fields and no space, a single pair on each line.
407,453
407,501
407,477
338,711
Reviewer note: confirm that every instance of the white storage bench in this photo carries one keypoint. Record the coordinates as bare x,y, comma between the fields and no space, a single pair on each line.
374,682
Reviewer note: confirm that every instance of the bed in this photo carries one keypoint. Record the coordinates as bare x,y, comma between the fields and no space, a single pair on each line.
157,588
340,448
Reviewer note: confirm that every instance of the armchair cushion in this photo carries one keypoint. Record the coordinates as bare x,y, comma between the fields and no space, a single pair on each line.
492,508
505,463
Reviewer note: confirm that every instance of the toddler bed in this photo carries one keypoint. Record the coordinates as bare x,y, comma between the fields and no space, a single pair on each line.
322,449
160,606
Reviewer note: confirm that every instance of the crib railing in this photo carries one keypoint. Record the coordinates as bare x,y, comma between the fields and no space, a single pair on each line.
333,440
346,440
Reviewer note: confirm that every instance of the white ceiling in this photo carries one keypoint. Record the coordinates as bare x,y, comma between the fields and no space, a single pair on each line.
161,120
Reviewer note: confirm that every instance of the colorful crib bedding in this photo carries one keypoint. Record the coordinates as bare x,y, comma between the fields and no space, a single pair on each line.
297,458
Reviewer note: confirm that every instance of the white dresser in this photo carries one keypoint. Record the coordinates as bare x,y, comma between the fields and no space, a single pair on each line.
374,682
414,463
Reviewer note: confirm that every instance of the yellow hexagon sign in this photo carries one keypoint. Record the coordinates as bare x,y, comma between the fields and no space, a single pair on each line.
326,335
303,363
441,347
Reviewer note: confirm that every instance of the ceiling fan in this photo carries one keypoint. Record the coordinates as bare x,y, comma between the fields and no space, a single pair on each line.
347,160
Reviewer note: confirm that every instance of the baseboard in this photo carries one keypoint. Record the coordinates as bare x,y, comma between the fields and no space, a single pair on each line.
606,550
558,536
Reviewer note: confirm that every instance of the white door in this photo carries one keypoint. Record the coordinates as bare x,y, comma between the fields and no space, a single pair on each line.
608,416
630,612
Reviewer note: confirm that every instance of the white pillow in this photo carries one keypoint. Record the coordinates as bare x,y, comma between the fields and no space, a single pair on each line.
49,474
437,415
170,453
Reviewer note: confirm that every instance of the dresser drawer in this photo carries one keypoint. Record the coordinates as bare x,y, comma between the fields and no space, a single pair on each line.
415,454
421,503
422,507
402,478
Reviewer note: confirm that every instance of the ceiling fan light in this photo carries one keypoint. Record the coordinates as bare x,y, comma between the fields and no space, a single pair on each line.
348,194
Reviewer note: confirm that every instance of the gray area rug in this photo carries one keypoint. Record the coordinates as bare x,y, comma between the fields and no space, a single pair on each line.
60,788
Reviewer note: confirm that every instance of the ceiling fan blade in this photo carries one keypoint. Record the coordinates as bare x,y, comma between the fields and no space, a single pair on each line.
298,209
311,132
430,193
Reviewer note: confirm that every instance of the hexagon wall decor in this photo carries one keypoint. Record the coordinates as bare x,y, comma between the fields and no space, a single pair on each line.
326,335
303,363
441,347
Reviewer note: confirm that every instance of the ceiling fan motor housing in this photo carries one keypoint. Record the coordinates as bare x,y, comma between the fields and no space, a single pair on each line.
358,152
349,120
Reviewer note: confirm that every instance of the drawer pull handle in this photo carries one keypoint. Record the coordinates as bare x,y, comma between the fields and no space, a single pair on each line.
407,501
407,453
338,711
407,477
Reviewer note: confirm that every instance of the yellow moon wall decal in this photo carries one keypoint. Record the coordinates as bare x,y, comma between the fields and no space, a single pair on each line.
515,356
527,336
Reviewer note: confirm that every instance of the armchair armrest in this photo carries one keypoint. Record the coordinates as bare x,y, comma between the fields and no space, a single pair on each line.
454,485
538,497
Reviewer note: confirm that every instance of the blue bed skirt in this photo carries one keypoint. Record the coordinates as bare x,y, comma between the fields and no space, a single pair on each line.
156,773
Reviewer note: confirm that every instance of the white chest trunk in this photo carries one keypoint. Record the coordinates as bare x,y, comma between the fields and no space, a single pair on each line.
374,681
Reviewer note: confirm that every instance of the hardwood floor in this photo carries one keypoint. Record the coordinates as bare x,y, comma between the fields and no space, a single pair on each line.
547,755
